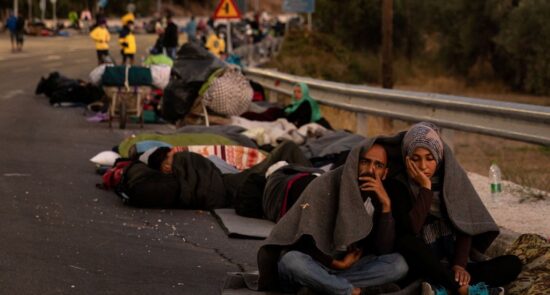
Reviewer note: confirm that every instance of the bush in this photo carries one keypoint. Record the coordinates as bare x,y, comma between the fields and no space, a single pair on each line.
524,47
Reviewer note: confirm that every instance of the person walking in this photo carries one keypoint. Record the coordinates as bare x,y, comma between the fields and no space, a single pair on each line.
127,41
85,18
20,31
101,37
170,40
191,29
11,25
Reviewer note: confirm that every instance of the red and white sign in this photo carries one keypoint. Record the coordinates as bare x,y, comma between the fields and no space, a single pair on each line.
227,9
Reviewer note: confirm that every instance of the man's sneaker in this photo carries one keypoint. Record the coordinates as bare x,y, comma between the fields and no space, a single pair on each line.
429,289
380,289
483,289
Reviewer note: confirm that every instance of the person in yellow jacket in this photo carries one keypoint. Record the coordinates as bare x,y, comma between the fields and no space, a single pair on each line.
127,41
101,37
128,17
215,44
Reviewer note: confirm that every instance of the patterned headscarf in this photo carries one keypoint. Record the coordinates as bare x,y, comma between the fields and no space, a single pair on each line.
425,135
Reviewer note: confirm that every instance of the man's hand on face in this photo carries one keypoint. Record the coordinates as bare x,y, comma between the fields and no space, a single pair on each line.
351,257
374,184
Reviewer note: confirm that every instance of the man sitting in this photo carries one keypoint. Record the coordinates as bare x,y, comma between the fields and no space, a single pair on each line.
339,235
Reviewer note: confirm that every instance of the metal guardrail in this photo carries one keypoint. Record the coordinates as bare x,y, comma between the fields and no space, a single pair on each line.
254,54
523,122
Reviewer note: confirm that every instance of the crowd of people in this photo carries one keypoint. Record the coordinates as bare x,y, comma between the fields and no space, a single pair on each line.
352,215
393,212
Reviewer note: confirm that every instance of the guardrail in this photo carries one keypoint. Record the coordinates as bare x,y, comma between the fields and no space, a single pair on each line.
523,122
254,54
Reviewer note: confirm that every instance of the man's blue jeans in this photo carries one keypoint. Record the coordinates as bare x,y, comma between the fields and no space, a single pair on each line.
297,270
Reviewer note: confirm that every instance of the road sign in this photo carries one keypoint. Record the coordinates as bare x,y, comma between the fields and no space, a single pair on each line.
300,6
227,9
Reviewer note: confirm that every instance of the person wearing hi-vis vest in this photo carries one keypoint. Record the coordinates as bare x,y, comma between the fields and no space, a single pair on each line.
127,41
101,37
215,44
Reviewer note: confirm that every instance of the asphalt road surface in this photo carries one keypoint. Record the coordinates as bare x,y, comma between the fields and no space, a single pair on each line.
62,235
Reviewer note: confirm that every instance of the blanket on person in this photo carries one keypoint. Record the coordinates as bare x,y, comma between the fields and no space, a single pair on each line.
464,206
201,184
177,139
328,211
239,157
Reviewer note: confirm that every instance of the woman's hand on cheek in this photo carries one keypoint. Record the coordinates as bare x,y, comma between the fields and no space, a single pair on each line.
417,175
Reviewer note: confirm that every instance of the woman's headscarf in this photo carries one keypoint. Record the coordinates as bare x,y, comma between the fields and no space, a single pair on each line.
425,135
295,104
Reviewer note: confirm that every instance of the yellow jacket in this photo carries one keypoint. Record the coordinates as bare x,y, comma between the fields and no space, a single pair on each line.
215,44
128,17
130,40
101,38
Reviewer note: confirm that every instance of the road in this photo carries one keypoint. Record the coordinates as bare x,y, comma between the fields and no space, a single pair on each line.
62,235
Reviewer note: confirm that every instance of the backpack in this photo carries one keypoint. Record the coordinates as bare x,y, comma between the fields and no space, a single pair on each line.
113,176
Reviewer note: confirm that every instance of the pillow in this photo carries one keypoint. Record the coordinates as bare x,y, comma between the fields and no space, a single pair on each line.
106,158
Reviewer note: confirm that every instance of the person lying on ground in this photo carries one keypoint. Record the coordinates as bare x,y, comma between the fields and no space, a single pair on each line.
338,238
304,109
440,219
237,186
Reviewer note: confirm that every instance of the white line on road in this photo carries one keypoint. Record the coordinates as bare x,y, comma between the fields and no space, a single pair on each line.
12,93
16,174
21,70
54,66
52,57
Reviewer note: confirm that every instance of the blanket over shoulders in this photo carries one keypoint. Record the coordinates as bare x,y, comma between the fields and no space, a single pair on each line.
330,211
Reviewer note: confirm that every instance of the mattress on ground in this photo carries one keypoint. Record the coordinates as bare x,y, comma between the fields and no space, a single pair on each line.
237,226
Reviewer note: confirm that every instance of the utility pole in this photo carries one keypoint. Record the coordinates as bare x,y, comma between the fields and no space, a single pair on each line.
54,14
42,6
15,7
159,5
387,56
387,44
30,10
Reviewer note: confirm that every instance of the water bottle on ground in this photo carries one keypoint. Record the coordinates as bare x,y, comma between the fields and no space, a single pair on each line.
495,181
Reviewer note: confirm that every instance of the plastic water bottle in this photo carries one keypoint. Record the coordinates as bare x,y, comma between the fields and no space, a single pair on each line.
495,181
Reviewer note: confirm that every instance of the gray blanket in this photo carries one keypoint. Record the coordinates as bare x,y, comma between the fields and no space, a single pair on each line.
464,207
331,208
329,144
330,211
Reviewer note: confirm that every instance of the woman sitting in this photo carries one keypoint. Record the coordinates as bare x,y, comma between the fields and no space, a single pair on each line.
440,219
304,109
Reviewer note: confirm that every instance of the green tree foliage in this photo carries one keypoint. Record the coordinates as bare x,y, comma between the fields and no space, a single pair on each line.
524,44
511,36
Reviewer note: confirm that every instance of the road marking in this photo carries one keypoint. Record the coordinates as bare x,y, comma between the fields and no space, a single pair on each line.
55,65
16,174
12,93
52,57
21,70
